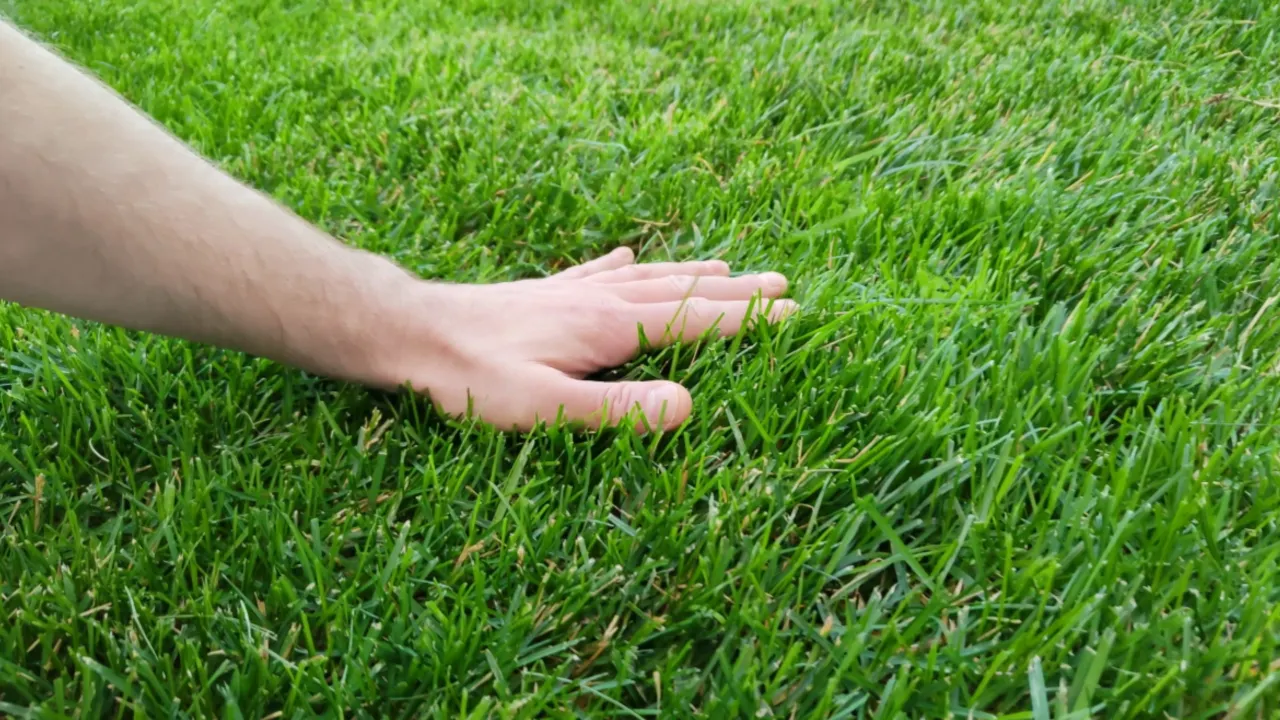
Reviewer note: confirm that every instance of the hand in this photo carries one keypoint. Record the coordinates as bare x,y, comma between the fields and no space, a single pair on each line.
105,216
516,354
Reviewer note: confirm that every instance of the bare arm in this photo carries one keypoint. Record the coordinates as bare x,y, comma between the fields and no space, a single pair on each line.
105,216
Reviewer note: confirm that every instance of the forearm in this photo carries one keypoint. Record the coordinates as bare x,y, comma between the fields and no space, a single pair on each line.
105,216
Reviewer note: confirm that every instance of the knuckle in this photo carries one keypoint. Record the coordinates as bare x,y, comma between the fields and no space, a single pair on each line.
698,309
620,398
609,312
630,272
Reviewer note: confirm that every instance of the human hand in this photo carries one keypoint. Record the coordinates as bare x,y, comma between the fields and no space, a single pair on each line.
515,354
106,217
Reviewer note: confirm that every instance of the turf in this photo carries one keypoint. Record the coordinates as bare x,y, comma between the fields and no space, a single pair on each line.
1018,457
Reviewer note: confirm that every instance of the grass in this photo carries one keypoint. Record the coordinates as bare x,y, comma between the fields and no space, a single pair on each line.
1018,458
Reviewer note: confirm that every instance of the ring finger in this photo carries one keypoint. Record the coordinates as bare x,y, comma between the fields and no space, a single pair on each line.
689,320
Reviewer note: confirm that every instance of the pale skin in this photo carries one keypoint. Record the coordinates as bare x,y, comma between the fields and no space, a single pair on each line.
107,217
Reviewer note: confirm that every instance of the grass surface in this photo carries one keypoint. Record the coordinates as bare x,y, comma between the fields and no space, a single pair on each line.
1017,459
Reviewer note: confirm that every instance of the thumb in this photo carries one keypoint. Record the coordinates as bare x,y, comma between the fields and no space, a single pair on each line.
650,405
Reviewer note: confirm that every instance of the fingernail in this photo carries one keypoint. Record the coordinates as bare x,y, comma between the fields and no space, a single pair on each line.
774,281
655,399
658,404
783,309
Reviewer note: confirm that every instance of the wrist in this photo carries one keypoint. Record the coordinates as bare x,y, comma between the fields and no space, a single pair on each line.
406,332
366,327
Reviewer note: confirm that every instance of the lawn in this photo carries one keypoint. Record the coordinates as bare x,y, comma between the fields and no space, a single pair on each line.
1016,458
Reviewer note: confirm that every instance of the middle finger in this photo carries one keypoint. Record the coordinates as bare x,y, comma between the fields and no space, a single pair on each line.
678,287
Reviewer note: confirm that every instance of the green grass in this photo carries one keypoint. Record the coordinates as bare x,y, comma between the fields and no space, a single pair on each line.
1017,459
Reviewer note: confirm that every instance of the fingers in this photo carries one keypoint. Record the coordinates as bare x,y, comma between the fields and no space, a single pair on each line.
619,267
651,405
647,271
620,257
679,287
664,323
